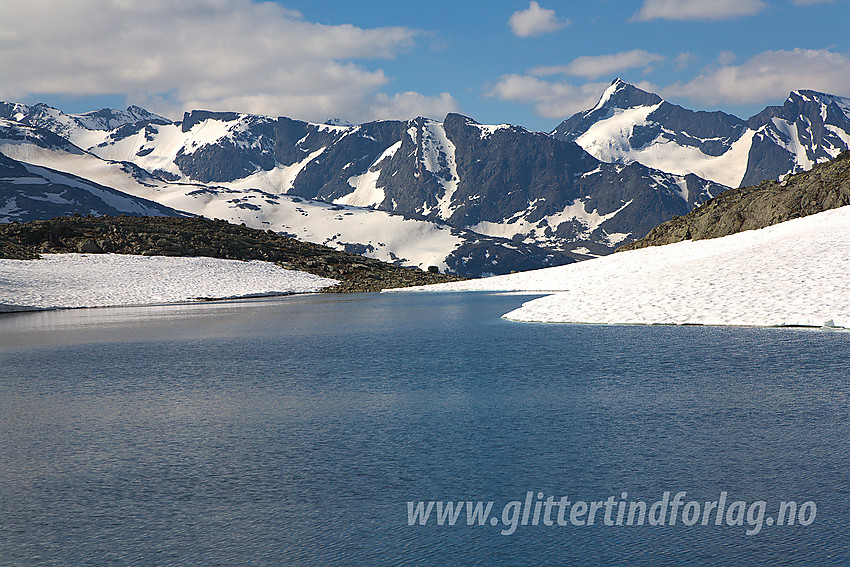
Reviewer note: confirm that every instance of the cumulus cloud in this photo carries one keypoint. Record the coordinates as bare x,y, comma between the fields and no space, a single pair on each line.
550,99
697,9
593,67
211,54
768,76
535,21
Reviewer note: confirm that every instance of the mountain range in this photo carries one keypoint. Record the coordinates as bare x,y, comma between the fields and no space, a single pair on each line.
471,199
630,125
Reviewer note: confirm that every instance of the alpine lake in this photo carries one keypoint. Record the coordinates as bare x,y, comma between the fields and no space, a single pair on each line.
305,430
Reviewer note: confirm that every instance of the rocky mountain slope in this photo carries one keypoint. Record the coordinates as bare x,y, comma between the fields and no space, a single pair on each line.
491,199
164,236
385,236
825,186
631,125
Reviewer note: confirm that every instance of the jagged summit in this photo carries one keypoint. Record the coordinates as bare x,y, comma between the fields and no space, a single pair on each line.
625,95
808,103
630,125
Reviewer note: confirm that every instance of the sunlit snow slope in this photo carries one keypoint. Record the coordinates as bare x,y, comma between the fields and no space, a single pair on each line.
792,273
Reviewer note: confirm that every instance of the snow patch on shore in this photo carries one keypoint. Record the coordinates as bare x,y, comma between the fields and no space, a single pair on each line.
101,280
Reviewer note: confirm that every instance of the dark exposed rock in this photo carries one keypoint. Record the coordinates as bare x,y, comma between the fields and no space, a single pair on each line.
824,187
195,117
89,246
170,236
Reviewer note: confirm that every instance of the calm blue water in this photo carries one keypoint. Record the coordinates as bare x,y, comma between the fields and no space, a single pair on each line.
294,431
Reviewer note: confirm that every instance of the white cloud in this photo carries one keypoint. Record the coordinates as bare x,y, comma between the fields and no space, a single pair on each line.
409,104
535,21
726,57
685,60
697,9
550,99
593,67
769,76
211,54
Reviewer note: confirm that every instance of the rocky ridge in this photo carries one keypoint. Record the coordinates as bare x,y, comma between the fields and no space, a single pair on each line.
172,236
824,187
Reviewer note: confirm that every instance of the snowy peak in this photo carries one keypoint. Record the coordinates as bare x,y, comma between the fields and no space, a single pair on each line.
630,125
73,126
621,99
624,95
110,119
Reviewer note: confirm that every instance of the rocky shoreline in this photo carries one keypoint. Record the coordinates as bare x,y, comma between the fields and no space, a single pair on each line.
199,236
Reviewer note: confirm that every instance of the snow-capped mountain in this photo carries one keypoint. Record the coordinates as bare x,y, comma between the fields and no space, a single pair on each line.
630,125
500,182
33,155
809,128
68,125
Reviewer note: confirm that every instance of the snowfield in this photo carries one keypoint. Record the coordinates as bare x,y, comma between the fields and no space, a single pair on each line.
100,280
793,273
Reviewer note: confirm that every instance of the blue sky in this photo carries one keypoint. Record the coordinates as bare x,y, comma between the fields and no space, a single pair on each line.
527,63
